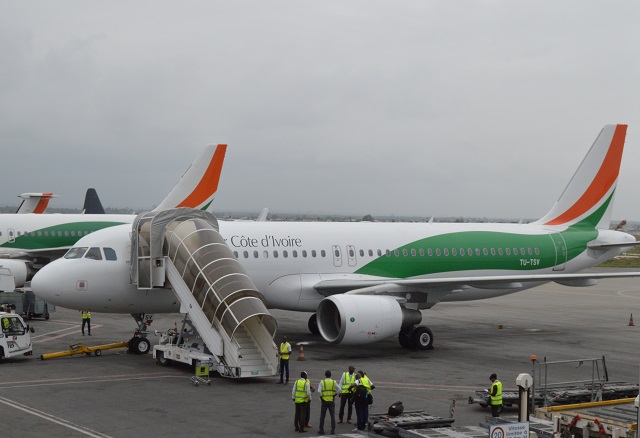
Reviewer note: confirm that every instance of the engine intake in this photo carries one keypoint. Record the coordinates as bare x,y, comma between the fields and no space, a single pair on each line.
362,319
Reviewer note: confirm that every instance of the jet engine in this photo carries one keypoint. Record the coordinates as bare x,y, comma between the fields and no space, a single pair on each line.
19,269
363,319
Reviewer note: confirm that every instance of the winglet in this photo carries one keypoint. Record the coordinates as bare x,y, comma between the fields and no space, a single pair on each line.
197,187
588,198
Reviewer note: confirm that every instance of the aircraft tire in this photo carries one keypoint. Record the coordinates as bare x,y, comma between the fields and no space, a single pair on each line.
98,352
421,338
142,346
313,324
404,337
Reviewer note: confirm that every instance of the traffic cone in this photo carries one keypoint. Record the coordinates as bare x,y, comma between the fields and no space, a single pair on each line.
631,321
301,353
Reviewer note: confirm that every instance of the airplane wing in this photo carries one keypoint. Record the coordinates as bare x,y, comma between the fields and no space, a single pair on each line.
429,291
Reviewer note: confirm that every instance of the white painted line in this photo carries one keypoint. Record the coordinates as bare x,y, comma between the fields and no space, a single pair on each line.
52,418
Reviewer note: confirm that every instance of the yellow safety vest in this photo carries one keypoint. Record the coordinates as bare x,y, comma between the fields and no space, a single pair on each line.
86,315
6,323
285,350
301,391
367,383
496,399
347,381
328,394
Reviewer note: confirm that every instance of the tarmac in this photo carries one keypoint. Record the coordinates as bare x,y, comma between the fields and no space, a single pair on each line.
123,395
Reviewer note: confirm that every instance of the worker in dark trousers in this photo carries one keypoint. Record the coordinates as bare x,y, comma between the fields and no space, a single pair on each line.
495,394
284,352
328,390
361,402
347,379
301,394
86,320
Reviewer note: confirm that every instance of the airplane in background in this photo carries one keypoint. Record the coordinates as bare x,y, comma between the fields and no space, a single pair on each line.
30,241
34,202
368,281
37,203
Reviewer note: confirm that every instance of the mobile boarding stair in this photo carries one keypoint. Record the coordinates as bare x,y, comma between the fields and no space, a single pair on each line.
227,325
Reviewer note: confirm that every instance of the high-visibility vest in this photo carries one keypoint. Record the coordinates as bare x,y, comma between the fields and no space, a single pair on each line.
6,323
86,315
347,381
496,399
285,349
367,383
328,390
301,391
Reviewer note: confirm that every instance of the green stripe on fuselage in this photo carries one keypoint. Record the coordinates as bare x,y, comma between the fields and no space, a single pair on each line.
57,236
402,266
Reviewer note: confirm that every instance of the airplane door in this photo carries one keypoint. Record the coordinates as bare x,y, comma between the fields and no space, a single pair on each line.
11,235
337,256
351,255
561,251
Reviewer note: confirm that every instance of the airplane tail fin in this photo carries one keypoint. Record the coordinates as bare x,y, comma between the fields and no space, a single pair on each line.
197,187
92,204
34,202
588,198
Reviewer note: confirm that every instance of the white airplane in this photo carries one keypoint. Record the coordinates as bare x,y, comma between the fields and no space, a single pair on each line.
369,281
29,241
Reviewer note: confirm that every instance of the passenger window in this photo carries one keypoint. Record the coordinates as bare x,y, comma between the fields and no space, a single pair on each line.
499,251
323,253
110,254
484,251
446,252
493,251
370,253
294,253
421,252
413,252
285,254
454,252
438,251
246,254
462,251
235,254
477,251
537,250
304,253
351,253
515,251
404,252
313,253
529,251
75,253
430,252
265,254
379,252
93,254
396,253
275,254
387,253
255,254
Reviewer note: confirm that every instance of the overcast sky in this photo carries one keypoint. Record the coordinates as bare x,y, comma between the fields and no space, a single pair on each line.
446,108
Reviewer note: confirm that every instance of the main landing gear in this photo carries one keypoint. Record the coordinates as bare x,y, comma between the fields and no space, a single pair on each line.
139,344
313,325
417,337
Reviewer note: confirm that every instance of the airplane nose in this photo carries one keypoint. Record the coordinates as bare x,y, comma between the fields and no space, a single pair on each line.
46,282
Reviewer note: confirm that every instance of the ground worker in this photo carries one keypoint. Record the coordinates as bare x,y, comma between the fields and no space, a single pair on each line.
347,379
495,394
328,390
368,384
361,402
301,394
86,319
6,324
284,352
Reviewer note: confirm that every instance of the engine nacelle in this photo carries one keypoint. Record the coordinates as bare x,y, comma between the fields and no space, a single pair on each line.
19,270
362,319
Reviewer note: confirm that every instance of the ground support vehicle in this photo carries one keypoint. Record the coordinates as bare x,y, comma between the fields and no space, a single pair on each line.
15,338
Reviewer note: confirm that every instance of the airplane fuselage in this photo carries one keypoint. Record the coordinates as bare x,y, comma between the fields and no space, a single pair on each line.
286,259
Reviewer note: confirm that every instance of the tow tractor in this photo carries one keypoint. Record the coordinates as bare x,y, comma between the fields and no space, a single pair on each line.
15,338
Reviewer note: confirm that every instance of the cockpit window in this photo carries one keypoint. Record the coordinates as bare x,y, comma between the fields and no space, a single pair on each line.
110,254
93,254
75,253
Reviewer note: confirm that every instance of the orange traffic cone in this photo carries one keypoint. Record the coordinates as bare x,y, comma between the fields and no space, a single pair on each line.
631,321
301,353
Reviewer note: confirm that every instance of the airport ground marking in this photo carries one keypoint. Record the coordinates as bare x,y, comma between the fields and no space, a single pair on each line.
53,338
76,379
52,418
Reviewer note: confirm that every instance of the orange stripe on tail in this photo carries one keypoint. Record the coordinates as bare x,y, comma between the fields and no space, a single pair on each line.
208,185
602,182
